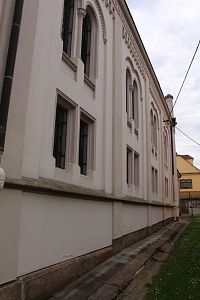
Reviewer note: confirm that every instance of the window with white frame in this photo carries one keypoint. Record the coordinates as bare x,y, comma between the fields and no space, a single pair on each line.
89,43
129,166
86,144
154,131
136,170
128,93
63,150
67,26
132,100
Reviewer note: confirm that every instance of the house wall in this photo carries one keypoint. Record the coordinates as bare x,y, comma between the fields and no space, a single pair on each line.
188,171
58,214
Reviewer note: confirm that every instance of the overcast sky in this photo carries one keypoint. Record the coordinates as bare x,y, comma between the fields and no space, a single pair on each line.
170,31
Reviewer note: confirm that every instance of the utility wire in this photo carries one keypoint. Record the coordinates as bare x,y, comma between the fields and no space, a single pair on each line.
188,136
186,76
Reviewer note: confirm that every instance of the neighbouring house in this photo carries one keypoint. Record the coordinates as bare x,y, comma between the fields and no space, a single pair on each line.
86,141
189,184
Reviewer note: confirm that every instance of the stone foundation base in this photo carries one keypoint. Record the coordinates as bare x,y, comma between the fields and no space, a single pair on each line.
42,284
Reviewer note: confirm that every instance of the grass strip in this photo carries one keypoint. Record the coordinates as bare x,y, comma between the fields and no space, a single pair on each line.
179,277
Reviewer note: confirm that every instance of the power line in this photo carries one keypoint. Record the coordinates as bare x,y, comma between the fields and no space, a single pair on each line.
186,75
188,136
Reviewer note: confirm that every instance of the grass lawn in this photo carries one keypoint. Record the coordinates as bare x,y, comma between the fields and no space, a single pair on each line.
179,278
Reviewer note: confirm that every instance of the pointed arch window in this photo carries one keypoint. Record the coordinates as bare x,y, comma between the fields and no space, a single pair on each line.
128,85
155,132
67,28
86,43
135,104
165,147
152,129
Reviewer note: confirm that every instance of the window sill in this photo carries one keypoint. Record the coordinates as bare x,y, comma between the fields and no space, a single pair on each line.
69,62
89,82
129,124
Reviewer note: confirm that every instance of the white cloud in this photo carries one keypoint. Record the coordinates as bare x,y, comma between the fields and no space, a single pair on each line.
170,32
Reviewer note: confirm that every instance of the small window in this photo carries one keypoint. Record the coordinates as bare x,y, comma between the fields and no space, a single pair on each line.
156,181
128,85
86,43
86,144
129,166
154,178
166,187
186,183
136,169
67,28
59,150
165,148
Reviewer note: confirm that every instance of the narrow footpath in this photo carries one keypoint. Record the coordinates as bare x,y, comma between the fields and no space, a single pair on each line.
126,276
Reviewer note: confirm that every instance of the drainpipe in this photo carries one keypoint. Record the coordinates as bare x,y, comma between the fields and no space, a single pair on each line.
8,79
169,100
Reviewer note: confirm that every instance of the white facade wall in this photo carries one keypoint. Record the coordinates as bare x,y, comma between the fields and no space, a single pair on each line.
48,229
53,229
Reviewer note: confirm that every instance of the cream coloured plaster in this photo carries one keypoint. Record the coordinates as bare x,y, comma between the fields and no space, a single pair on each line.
134,217
10,204
53,229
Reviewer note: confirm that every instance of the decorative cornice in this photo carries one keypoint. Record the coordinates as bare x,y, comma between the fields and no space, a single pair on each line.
134,43
109,5
57,188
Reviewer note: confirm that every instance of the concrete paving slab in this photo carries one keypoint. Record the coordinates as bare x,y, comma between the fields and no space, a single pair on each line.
112,279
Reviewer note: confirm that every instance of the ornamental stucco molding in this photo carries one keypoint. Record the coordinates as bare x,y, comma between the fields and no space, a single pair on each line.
110,6
142,63
102,19
154,94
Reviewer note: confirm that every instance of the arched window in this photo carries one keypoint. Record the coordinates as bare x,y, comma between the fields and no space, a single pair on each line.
128,85
67,28
165,147
155,132
135,104
152,129
86,43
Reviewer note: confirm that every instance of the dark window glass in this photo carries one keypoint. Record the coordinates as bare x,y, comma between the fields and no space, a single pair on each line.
136,169
127,166
67,29
83,147
86,44
59,150
133,104
129,154
186,184
128,82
